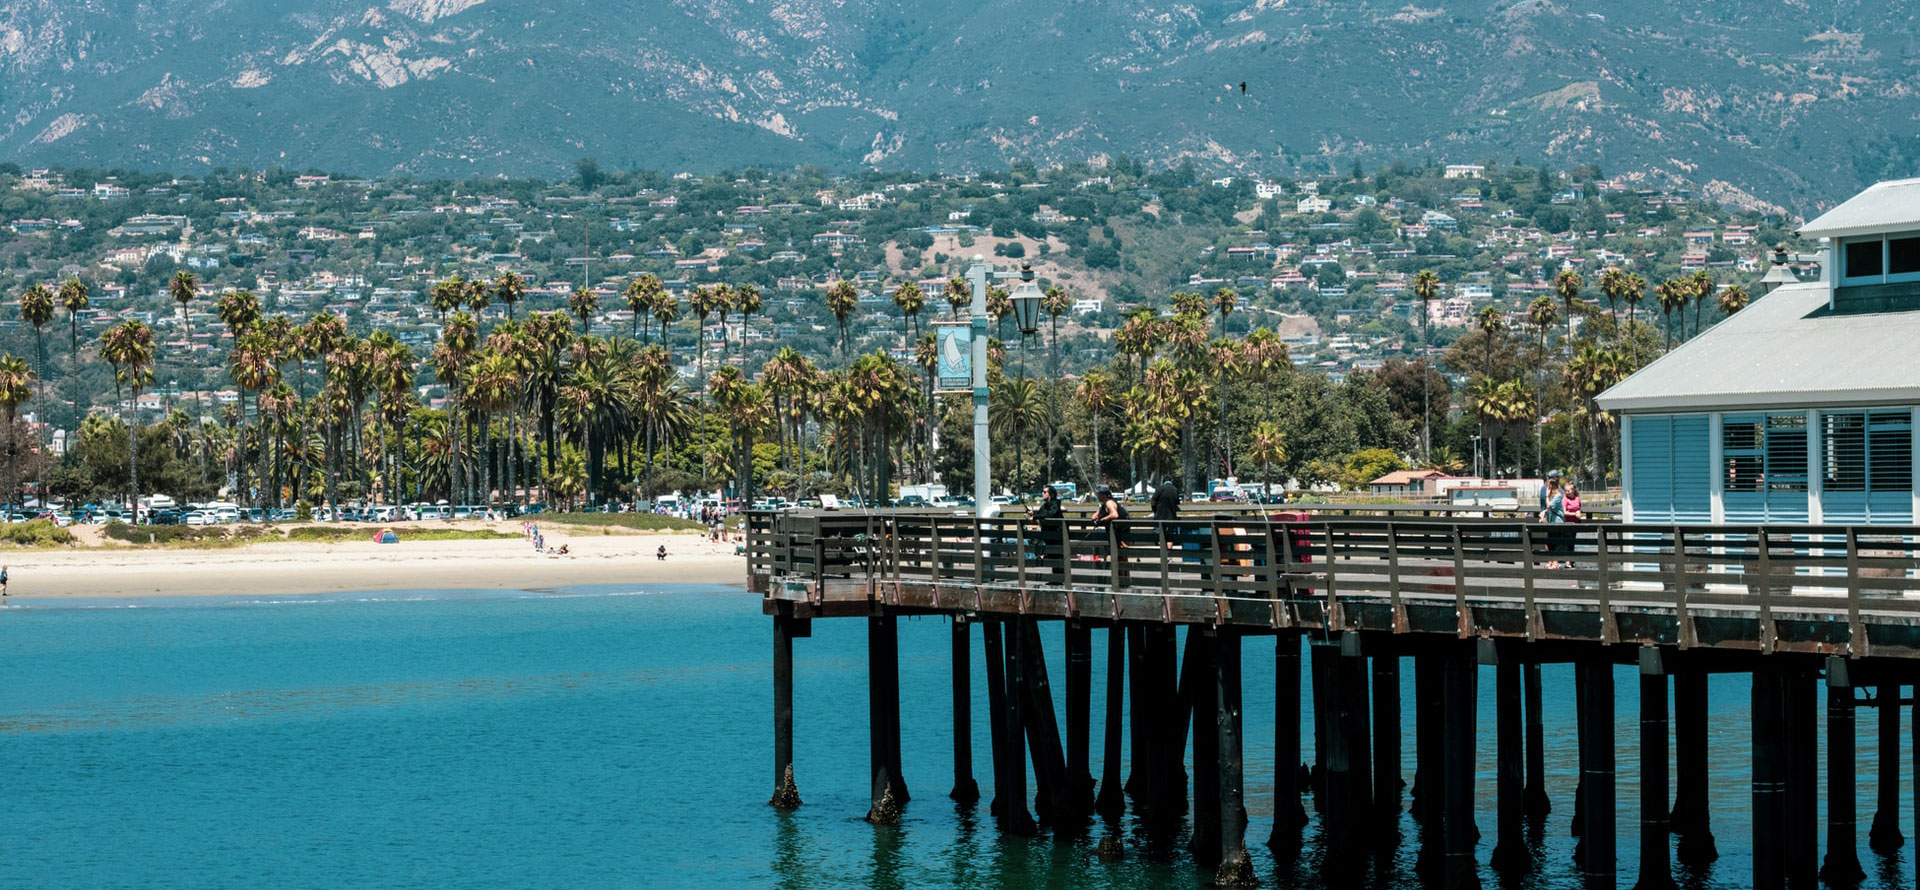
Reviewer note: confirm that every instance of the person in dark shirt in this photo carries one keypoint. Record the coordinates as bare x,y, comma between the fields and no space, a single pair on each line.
1166,501
1049,515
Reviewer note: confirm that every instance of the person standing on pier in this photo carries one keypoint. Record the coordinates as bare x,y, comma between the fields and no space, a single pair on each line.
1049,515
1166,502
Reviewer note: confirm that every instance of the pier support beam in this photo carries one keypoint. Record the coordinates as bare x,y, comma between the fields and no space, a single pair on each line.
1079,643
1656,868
1597,768
1884,836
1769,782
1803,779
1112,801
965,789
1462,725
1320,664
1289,816
1010,786
1429,709
1842,865
1510,854
1692,817
786,794
1201,677
1344,819
1236,868
883,720
1058,803
1538,804
1386,751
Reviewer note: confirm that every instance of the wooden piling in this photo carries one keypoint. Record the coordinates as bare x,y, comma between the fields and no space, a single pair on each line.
1236,868
1112,801
1511,856
1288,814
1462,725
1885,837
1359,734
883,720
1386,751
993,652
1344,824
1429,780
1802,836
1656,868
1319,664
1139,717
1596,733
1079,644
1057,801
1202,675
1014,818
1769,785
1842,865
1692,816
786,795
965,788
1538,803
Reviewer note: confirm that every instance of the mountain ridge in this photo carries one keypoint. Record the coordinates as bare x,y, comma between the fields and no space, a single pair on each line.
1769,102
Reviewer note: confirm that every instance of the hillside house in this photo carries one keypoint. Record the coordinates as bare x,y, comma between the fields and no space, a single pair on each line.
1791,411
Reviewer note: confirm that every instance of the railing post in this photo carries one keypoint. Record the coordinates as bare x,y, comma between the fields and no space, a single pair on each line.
1066,554
1218,570
1527,568
1680,613
1020,555
1115,554
1856,630
1393,578
1462,614
979,554
1763,574
1332,620
1603,578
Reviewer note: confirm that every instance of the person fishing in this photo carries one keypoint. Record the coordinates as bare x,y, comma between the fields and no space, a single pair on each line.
1050,515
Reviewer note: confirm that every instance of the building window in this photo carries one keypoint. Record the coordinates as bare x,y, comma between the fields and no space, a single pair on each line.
1764,452
1880,259
1867,451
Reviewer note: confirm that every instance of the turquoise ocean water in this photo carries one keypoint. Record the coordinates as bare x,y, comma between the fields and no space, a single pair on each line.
582,738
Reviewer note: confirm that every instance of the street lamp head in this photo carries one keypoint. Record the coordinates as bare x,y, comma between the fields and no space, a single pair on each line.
1026,298
1026,271
979,258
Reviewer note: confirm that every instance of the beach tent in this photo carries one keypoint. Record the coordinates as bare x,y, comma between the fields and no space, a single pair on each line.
385,536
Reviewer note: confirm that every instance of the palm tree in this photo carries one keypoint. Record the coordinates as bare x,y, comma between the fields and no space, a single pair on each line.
1267,360
254,365
1224,300
1269,447
1568,284
1673,294
1229,361
723,304
1613,286
958,294
1018,407
909,300
1490,322
666,308
704,301
128,347
447,295
509,289
36,306
841,300
1733,299
1702,290
477,296
1426,287
183,287
74,297
450,358
1633,290
748,302
239,310
492,385
583,303
639,298
16,386
999,308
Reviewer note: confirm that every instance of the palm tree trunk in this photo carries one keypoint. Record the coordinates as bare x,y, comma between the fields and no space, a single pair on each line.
133,455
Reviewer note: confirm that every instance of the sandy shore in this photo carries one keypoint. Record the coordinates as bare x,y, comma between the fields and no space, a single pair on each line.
306,567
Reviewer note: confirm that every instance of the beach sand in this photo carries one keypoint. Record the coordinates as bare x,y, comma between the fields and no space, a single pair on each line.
285,567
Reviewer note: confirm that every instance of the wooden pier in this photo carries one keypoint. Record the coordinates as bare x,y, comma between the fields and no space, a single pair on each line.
1796,607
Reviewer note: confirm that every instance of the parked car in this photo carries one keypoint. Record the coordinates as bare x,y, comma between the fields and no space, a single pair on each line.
199,517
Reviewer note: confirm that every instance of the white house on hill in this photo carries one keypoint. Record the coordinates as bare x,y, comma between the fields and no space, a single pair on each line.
1801,408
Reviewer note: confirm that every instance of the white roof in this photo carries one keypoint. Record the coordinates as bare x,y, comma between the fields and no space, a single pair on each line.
1784,349
1893,205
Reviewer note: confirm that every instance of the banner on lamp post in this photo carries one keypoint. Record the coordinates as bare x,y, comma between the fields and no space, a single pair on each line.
953,357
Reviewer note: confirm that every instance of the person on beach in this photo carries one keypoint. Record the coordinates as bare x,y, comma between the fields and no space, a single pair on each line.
3,584
661,554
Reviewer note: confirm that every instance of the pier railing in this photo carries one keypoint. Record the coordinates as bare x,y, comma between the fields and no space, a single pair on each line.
1813,588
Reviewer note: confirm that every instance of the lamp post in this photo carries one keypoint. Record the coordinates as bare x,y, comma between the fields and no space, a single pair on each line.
1026,298
979,275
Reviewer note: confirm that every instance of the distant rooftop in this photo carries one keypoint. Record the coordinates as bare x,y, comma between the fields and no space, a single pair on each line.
1786,348
1884,206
